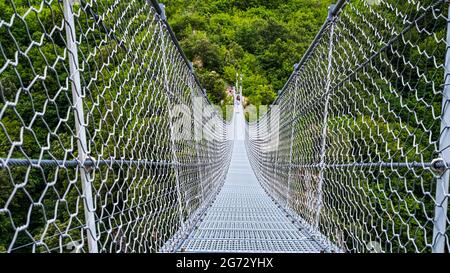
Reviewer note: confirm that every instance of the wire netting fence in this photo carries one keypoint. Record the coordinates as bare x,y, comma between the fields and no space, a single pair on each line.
91,157
363,145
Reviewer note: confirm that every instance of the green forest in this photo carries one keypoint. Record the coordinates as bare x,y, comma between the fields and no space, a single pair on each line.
260,39
386,109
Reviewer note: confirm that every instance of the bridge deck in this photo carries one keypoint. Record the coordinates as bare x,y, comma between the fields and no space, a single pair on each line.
243,218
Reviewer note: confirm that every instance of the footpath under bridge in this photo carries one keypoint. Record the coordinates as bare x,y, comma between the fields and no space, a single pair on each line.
100,151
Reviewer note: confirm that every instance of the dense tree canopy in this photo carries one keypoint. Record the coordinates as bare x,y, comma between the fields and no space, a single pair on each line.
262,39
387,112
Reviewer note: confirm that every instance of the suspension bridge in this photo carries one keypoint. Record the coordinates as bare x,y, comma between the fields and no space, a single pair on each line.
108,142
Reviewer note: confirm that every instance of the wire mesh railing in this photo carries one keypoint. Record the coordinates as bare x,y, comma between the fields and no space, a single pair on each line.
357,144
92,158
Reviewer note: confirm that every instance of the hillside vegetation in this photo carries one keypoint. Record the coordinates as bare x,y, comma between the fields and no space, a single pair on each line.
262,39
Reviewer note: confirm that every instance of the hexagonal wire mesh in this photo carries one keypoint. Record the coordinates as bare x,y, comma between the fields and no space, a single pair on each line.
89,157
89,160
363,148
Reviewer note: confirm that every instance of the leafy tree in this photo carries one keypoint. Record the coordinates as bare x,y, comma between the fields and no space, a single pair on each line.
259,39
215,84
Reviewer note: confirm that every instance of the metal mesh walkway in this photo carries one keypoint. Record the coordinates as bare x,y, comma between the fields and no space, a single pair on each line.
243,218
109,143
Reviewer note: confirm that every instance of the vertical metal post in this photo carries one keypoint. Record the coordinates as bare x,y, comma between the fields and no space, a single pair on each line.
325,116
288,194
275,180
240,91
235,95
197,150
86,184
172,133
442,183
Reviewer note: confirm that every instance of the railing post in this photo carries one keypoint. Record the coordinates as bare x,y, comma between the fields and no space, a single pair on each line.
276,146
442,183
175,162
325,117
288,194
80,128
195,136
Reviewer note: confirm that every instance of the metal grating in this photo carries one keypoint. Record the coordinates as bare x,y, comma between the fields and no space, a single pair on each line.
250,234
305,246
246,226
243,218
